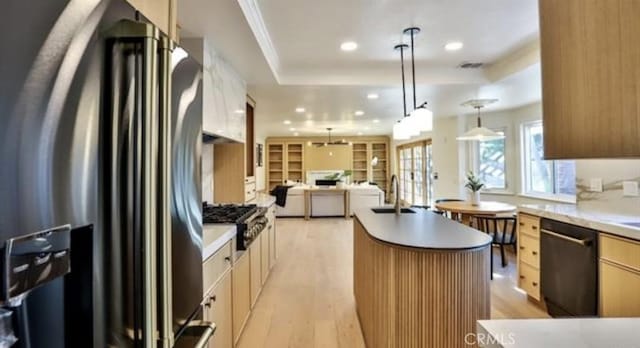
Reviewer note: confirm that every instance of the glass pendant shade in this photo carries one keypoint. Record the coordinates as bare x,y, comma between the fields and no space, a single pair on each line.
422,119
480,134
409,126
399,132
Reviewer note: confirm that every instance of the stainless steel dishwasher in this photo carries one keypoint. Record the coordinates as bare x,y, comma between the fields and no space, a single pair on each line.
569,269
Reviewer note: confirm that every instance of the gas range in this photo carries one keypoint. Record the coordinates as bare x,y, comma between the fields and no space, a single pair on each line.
249,220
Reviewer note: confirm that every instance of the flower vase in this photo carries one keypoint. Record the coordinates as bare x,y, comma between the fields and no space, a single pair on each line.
474,197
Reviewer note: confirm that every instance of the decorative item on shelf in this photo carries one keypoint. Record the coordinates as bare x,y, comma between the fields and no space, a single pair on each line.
374,161
474,184
479,133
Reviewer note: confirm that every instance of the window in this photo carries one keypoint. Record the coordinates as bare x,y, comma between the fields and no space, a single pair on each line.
553,178
491,163
415,167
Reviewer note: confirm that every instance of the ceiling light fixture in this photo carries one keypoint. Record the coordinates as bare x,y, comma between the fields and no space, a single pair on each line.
296,134
376,121
359,113
286,122
292,129
453,46
421,118
349,46
372,96
239,111
329,141
300,110
480,133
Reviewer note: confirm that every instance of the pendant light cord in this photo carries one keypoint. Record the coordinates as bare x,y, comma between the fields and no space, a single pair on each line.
479,122
401,47
413,72
404,93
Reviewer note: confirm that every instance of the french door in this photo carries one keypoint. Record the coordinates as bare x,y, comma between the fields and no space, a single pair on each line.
414,172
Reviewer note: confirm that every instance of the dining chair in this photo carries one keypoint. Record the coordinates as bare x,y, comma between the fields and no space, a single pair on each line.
450,215
501,229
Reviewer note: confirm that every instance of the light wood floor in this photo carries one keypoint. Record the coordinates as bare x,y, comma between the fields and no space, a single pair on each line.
308,298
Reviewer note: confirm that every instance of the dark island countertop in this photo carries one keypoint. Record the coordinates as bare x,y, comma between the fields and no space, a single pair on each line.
424,229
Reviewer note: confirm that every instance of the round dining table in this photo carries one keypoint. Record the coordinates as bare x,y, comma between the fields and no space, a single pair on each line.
464,210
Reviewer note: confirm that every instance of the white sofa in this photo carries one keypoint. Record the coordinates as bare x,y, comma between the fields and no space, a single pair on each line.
330,204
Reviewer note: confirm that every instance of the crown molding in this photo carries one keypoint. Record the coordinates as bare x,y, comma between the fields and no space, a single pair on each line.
252,14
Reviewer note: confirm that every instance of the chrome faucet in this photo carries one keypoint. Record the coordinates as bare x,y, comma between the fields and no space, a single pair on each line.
396,193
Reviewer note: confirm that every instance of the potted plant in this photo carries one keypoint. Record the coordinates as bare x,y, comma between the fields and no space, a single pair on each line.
340,177
474,184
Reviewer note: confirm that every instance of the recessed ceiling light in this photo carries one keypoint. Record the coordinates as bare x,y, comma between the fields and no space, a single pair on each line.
292,129
286,122
349,46
359,113
376,121
372,96
295,134
239,111
453,46
359,133
300,110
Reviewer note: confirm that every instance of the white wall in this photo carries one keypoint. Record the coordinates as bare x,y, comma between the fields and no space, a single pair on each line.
260,171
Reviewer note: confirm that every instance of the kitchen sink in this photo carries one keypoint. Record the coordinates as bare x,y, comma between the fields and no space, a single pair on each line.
392,211
632,224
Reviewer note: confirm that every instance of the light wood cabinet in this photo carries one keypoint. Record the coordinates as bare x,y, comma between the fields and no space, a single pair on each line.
590,84
241,288
230,185
255,265
264,256
285,161
218,309
619,277
529,255
162,13
271,233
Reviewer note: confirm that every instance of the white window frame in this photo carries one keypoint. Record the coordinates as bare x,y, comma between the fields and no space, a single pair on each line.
476,163
525,162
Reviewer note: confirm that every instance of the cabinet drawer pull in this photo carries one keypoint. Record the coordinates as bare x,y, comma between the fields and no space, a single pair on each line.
213,298
521,277
534,227
521,224
534,252
534,283
227,258
521,247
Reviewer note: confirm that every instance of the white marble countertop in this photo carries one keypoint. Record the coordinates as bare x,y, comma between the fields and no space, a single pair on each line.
264,200
214,236
602,221
424,229
559,333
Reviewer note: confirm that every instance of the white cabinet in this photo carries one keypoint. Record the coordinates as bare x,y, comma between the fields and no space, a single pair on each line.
224,97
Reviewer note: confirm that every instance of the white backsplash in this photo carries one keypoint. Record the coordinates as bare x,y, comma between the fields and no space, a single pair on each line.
207,173
612,172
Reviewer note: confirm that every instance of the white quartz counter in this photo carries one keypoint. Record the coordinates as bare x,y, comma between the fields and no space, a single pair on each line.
214,236
424,229
264,200
558,333
604,222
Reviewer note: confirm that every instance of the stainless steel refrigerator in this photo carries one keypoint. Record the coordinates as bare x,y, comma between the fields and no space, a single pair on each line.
94,135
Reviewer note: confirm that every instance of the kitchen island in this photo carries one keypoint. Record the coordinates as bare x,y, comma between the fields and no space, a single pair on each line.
420,279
